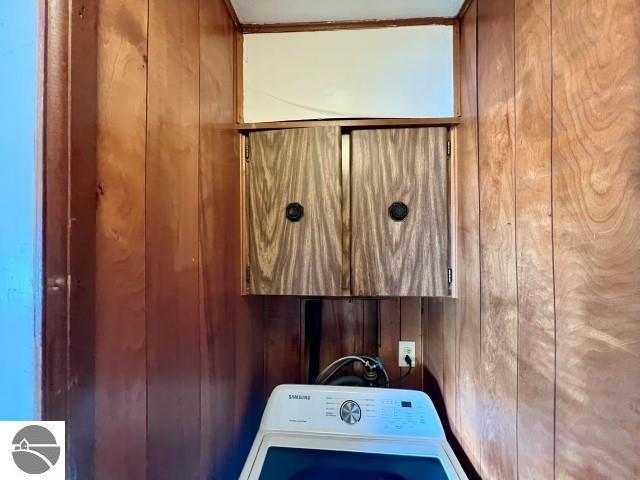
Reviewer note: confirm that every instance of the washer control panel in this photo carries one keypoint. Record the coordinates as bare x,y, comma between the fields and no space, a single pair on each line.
352,410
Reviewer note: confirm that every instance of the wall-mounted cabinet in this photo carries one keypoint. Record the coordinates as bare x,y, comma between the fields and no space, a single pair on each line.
399,209
365,213
294,212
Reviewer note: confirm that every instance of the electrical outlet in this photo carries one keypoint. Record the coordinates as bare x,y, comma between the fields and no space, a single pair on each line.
404,349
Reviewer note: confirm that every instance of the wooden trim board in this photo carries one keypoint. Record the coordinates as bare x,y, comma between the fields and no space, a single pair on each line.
353,123
239,77
232,13
345,25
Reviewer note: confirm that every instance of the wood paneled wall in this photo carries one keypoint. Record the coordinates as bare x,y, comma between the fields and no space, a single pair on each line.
543,343
179,362
534,367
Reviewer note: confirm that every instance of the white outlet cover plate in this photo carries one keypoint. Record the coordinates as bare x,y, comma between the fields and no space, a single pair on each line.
404,349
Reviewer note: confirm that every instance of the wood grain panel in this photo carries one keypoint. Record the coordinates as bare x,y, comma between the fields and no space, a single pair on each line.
282,342
499,303
56,215
231,326
82,133
468,423
121,382
407,258
342,329
295,258
433,344
536,320
370,328
389,335
411,330
596,188
172,296
450,362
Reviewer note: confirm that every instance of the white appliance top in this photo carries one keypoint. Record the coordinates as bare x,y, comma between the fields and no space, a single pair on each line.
353,411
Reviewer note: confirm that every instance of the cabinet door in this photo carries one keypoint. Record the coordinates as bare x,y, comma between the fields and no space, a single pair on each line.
290,255
401,257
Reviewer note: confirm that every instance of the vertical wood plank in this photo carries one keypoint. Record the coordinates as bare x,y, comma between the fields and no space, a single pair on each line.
596,228
81,224
434,344
497,232
411,330
249,382
231,326
55,235
456,69
342,329
172,298
536,321
389,335
450,362
370,328
239,77
282,342
468,423
121,386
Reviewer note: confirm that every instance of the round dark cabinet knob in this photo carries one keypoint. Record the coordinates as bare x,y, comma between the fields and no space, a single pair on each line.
398,211
294,212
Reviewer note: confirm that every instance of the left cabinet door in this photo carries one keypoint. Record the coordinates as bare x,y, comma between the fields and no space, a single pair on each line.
295,212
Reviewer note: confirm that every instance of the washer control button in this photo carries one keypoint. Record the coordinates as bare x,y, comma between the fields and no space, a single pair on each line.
350,412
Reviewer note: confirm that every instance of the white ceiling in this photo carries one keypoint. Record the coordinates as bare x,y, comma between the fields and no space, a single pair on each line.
290,11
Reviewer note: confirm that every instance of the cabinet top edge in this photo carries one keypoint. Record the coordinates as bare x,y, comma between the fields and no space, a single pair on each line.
353,123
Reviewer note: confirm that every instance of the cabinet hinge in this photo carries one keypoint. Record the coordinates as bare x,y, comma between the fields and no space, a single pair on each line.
449,147
247,276
247,149
449,276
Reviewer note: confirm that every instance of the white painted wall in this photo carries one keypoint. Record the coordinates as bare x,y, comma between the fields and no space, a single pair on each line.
387,73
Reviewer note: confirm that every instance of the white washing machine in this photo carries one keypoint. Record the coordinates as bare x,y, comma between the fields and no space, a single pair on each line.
312,432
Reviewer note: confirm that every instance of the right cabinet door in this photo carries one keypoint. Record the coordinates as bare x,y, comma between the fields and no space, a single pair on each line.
399,212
